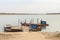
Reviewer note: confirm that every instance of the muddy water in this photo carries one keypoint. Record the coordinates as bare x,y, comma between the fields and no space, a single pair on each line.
52,20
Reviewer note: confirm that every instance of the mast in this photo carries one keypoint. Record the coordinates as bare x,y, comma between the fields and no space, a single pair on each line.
18,22
25,20
37,21
31,21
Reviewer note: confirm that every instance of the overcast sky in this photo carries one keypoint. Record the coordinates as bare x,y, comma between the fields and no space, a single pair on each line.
30,6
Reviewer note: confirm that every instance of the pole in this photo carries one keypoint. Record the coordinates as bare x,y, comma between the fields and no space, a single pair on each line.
37,21
18,22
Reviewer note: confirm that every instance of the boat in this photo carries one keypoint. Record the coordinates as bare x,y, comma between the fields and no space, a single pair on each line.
32,27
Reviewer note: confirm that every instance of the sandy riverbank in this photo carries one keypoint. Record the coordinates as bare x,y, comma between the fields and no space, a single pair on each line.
29,36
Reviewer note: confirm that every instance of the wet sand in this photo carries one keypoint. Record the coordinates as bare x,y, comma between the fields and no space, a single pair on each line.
29,36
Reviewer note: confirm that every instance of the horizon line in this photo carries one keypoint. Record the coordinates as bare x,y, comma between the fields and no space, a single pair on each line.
29,14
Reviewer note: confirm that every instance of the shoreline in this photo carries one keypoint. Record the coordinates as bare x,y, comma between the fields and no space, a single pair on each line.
29,35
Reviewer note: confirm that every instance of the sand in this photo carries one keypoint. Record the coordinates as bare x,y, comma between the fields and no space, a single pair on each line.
29,36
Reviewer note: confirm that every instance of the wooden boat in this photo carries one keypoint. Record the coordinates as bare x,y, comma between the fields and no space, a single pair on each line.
31,26
12,29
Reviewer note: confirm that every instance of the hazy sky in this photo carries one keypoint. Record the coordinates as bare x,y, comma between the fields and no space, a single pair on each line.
30,6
